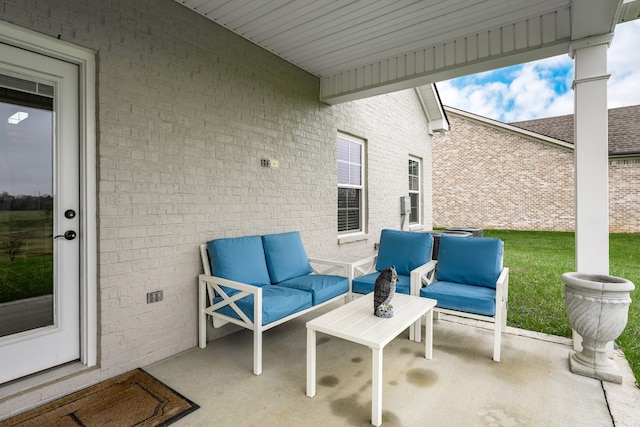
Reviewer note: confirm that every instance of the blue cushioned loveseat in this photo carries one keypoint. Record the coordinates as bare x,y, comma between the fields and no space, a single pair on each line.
259,282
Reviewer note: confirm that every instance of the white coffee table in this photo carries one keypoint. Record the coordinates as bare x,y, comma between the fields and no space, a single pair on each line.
355,322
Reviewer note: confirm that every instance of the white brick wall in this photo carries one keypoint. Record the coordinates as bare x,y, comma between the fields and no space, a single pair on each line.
186,110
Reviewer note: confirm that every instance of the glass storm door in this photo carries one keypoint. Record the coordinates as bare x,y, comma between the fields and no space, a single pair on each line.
39,201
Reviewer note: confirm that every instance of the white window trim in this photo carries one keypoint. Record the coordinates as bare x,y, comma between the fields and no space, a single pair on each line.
85,60
419,192
344,236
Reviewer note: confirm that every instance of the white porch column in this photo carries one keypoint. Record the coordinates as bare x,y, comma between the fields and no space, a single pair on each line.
591,156
591,159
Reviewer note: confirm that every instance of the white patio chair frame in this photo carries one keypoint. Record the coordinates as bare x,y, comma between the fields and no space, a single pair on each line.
499,320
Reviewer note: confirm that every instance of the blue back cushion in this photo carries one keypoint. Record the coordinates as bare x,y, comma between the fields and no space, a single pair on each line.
285,255
404,249
469,260
240,259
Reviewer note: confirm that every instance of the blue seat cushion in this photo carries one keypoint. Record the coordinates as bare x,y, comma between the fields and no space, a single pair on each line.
403,249
240,259
365,284
285,255
470,260
277,302
322,287
467,298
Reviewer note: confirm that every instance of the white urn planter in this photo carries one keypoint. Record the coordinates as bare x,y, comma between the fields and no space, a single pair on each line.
597,308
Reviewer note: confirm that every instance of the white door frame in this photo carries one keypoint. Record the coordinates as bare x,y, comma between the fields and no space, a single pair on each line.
85,59
55,129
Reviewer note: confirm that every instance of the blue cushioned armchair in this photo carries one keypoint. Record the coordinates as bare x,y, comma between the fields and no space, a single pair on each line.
470,281
409,252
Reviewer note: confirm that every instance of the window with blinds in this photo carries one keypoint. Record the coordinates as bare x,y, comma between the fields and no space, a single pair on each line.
414,190
350,184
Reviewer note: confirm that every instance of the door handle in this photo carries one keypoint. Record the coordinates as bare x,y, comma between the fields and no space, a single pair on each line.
69,235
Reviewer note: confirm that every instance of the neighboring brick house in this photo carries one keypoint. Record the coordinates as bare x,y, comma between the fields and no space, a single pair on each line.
520,176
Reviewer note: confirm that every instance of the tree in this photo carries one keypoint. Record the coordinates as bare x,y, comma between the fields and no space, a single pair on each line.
12,245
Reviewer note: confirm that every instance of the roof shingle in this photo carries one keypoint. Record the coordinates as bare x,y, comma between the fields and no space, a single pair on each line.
624,129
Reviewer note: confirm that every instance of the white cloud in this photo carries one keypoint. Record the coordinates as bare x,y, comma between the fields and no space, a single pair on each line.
484,99
543,88
522,93
623,59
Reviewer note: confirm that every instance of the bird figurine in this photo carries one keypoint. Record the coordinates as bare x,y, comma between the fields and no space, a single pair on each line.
384,290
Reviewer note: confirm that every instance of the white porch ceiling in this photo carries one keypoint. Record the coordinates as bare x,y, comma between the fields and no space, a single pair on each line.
361,48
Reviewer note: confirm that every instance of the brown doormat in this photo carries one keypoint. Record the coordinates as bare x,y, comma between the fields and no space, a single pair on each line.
132,399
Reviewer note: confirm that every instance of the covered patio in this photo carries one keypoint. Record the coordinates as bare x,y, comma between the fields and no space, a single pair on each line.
460,386
175,116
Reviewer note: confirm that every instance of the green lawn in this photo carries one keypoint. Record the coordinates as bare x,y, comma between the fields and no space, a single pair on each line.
25,278
537,259
27,270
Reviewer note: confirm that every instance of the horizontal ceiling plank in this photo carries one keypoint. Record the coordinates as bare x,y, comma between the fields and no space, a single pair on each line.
351,30
493,42
363,47
347,51
324,37
630,11
325,21
266,20
219,9
439,61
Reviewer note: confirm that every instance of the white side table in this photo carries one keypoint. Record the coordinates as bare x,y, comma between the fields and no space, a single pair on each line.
355,322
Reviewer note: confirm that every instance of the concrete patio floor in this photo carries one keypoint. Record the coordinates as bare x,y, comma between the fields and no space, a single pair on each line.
460,386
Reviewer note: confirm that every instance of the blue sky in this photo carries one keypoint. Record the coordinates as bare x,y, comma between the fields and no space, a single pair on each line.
543,88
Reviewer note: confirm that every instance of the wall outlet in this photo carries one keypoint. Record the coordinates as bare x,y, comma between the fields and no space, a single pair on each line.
155,296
